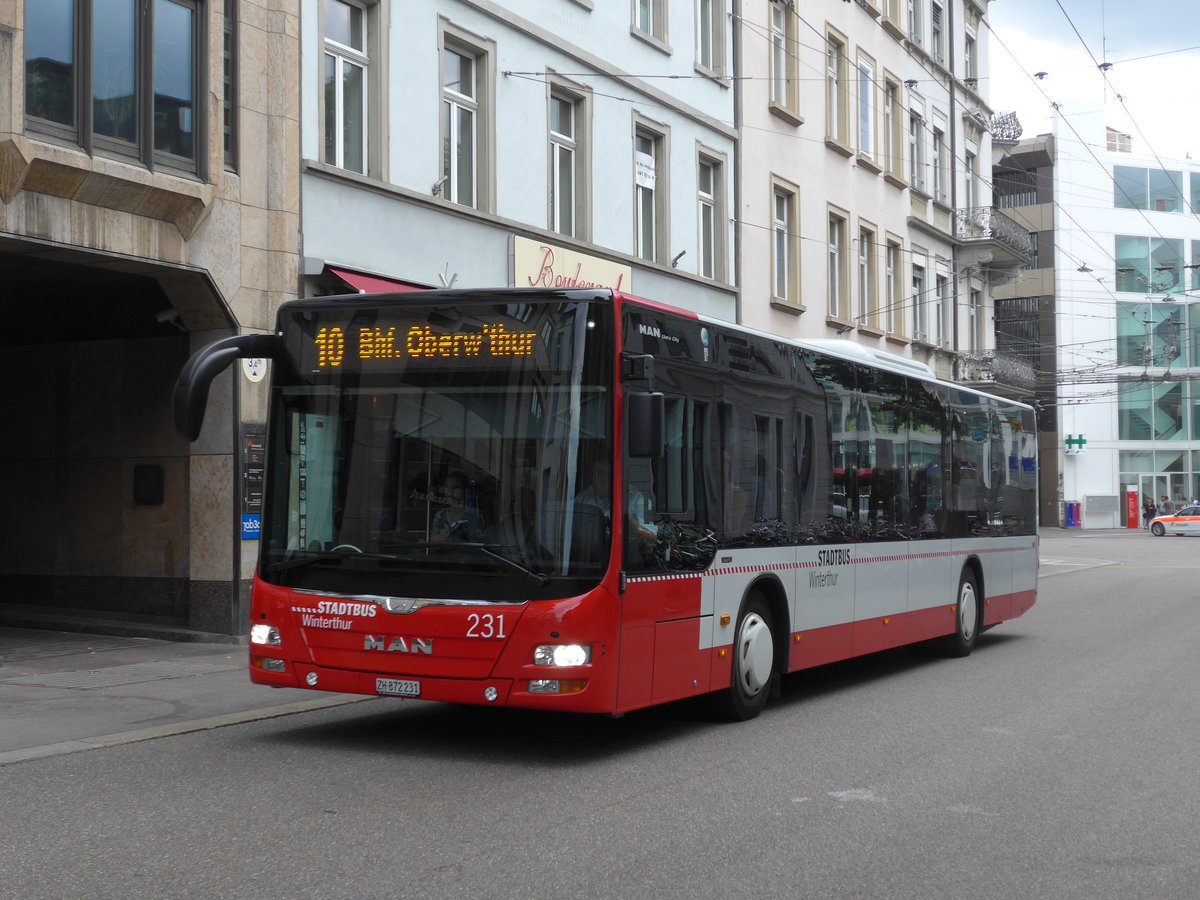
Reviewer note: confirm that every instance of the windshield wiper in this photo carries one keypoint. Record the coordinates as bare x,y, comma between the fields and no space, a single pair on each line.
303,558
541,579
308,557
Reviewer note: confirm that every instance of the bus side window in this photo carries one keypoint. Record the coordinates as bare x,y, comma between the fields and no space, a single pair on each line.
737,471
926,463
882,485
668,502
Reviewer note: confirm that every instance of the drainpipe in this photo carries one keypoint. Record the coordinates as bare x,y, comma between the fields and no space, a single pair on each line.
955,124
737,162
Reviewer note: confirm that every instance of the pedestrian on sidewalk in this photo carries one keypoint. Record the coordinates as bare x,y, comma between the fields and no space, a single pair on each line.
1148,512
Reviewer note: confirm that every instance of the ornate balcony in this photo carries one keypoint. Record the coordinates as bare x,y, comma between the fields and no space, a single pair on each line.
987,229
997,373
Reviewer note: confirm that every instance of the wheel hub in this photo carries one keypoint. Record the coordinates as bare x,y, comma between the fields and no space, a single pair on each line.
755,654
968,611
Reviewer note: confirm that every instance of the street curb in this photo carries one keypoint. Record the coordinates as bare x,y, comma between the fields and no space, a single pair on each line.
9,757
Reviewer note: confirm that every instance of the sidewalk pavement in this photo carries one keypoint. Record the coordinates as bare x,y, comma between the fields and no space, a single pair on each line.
62,692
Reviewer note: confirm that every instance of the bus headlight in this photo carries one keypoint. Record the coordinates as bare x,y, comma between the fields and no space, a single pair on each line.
265,634
562,655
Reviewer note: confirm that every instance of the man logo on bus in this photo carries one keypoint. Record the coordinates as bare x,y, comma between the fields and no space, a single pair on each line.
398,644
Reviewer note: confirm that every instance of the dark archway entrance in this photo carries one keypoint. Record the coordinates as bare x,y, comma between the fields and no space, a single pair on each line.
95,524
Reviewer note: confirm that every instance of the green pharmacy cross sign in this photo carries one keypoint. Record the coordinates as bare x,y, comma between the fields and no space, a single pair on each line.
1075,444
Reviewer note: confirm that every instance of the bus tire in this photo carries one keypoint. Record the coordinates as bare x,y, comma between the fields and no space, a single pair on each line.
753,664
966,617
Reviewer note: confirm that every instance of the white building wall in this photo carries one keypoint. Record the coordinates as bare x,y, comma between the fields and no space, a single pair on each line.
390,222
795,150
1092,310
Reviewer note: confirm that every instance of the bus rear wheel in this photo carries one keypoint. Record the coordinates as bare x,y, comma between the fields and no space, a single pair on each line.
753,663
966,617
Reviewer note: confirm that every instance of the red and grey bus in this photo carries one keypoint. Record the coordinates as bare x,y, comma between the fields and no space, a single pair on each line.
443,468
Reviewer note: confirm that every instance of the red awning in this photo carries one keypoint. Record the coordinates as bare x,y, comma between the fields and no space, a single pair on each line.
372,284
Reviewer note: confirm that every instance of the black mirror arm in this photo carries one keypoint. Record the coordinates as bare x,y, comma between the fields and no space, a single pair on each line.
196,377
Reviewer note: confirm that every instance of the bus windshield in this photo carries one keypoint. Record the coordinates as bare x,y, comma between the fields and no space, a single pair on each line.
441,451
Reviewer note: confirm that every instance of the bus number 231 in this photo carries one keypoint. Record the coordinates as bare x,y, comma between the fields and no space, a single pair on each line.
485,626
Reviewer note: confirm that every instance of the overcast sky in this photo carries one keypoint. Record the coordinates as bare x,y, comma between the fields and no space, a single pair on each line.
1154,48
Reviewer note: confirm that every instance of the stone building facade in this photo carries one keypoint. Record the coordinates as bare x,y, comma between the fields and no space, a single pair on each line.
149,202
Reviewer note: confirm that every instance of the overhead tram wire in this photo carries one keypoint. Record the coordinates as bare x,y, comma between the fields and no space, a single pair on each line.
910,302
1104,73
1066,120
1110,255
542,77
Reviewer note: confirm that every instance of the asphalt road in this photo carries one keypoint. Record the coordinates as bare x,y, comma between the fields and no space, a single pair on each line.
1059,760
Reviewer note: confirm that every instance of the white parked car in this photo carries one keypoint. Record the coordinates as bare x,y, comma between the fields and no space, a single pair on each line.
1185,521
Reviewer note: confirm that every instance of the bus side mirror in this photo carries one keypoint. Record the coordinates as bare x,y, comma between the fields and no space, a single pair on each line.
196,377
645,415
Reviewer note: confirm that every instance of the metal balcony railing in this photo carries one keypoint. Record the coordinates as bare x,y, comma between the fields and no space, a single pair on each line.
987,223
992,368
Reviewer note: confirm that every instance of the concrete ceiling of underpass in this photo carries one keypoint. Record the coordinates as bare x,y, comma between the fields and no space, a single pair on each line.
59,295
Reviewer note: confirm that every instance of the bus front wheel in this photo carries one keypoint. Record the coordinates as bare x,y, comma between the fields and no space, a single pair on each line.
966,617
753,662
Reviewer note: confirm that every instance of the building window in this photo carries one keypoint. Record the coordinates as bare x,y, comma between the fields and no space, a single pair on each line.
785,245
710,35
920,304
345,86
650,213
1149,265
1147,412
970,56
941,312
229,94
838,261
1018,330
464,90
866,107
916,27
937,40
1151,335
893,129
51,74
1193,360
1014,188
1151,189
970,180
916,153
941,167
784,63
893,311
650,18
891,17
562,164
835,91
975,337
124,77
868,294
710,194
460,108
